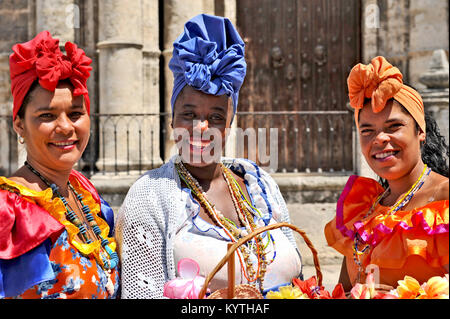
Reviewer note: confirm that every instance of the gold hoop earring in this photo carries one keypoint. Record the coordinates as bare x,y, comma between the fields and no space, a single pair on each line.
21,140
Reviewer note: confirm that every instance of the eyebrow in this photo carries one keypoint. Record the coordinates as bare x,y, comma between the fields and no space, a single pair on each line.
363,125
218,108
48,108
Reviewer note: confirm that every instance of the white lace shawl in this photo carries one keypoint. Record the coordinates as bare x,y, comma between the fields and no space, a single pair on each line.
149,218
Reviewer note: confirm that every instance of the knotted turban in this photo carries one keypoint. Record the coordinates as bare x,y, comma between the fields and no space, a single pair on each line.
41,59
380,81
209,56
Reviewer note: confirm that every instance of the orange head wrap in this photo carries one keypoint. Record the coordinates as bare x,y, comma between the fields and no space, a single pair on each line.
380,81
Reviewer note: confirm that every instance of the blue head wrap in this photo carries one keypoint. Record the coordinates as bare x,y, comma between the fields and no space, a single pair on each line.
209,56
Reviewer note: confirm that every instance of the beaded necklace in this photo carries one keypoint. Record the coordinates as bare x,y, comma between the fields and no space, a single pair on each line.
396,207
108,259
245,213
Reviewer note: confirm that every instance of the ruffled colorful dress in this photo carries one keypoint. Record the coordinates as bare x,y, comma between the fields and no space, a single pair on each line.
40,255
413,243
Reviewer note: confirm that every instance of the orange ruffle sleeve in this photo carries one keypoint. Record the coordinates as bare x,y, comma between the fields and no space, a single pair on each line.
413,243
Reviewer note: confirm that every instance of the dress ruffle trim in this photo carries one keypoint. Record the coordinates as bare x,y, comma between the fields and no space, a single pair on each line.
257,190
52,210
23,224
375,228
429,224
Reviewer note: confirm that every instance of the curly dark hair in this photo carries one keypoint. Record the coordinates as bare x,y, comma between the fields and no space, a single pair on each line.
435,151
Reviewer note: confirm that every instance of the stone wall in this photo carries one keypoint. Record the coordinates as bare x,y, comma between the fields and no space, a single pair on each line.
14,27
123,38
435,95
406,32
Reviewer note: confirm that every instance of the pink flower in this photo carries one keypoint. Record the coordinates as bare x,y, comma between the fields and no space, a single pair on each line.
368,290
189,285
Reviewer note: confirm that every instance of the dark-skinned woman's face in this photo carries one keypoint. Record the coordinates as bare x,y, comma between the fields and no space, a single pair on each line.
200,123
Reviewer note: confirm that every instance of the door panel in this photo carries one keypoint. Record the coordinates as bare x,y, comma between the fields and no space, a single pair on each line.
299,54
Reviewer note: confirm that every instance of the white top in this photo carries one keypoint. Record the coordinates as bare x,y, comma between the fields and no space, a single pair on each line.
158,225
208,247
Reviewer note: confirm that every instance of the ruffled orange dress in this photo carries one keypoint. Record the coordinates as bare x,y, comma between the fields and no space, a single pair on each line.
40,255
413,243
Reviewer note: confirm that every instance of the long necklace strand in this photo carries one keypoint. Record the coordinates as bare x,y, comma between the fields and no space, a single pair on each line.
248,220
231,232
106,263
244,214
402,202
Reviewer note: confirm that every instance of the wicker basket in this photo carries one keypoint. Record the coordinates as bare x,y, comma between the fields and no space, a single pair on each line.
229,258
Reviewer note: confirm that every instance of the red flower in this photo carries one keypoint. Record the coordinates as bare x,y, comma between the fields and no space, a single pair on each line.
314,291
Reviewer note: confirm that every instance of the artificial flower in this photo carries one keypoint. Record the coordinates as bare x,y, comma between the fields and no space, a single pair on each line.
313,291
435,288
338,292
287,292
368,290
309,287
188,285
408,288
360,291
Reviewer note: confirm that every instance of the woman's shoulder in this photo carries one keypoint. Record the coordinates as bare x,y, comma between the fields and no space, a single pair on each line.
360,188
154,179
356,198
441,188
24,224
246,166
152,189
23,189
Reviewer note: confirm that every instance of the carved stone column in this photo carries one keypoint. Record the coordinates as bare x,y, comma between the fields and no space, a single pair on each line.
151,79
60,17
8,139
435,96
20,22
121,85
176,14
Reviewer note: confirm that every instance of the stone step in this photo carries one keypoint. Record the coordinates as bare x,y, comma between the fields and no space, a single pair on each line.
312,218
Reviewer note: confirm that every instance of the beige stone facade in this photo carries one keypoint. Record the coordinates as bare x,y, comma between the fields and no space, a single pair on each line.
131,42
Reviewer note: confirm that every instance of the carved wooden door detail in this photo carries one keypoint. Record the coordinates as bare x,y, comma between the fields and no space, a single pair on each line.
299,54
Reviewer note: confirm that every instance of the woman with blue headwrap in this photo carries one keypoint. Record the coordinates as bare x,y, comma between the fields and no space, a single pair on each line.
192,206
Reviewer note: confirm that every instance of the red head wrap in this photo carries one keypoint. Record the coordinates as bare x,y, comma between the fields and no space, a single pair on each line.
380,81
42,59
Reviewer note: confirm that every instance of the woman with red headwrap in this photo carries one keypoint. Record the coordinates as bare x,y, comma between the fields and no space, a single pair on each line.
398,226
55,230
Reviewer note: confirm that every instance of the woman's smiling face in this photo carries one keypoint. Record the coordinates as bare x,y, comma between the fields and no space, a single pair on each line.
389,140
200,123
55,126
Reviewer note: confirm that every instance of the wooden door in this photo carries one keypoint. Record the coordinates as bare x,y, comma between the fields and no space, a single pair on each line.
299,54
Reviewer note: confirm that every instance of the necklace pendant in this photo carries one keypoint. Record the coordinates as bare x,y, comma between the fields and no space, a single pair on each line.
109,285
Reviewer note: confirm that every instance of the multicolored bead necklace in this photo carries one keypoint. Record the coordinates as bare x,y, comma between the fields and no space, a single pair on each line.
245,212
402,202
108,258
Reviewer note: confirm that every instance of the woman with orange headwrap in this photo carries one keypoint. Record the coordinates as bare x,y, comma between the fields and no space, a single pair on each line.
398,226
55,230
